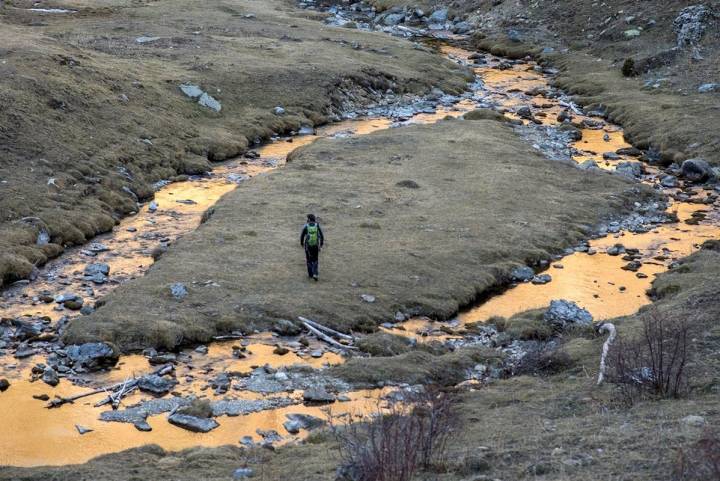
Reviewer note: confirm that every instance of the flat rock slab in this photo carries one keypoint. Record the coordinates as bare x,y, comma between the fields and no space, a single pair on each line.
192,423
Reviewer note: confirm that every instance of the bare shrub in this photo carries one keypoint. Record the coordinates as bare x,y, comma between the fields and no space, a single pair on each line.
655,364
401,438
701,460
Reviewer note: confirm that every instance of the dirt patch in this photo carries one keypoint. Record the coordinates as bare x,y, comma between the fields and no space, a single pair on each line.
93,112
484,205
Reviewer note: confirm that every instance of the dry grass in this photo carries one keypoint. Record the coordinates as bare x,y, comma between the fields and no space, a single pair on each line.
81,96
486,201
415,367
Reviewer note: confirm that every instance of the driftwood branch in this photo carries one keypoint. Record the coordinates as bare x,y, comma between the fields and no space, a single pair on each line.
326,329
125,388
610,329
321,335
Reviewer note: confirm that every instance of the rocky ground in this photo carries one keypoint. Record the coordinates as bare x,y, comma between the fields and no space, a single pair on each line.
669,89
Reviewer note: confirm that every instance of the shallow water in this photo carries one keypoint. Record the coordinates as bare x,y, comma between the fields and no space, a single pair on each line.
593,281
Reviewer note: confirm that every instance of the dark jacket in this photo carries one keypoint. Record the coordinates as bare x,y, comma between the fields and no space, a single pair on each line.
303,234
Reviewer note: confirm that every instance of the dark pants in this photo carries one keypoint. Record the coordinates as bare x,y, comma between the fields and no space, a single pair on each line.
312,254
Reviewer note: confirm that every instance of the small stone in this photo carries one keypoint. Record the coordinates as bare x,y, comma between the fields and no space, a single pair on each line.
710,87
292,426
279,110
542,279
669,181
142,426
399,317
616,250
280,350
367,298
82,430
610,156
243,473
41,397
318,395
4,385
178,290
693,421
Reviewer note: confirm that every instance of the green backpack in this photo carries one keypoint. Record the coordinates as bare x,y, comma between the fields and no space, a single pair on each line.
311,238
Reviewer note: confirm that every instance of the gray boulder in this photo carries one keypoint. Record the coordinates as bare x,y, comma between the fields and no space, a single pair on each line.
541,279
631,170
589,165
156,385
209,102
697,170
522,274
563,313
178,290
317,395
50,377
306,421
393,19
192,423
669,181
92,355
439,16
96,272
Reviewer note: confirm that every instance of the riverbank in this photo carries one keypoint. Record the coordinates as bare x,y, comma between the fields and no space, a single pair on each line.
573,430
95,114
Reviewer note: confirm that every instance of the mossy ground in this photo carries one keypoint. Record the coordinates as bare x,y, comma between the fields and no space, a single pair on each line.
486,202
88,106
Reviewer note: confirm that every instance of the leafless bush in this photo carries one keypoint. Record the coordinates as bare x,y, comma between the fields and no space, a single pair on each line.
655,364
700,461
401,438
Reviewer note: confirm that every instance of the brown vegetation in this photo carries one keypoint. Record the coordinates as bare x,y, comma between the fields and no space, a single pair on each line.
91,116
485,204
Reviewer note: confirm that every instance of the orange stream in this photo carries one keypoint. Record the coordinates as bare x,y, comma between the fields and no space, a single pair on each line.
35,435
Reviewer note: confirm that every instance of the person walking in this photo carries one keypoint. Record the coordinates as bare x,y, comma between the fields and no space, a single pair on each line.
312,239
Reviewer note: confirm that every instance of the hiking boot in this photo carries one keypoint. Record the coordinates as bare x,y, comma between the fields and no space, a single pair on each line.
316,278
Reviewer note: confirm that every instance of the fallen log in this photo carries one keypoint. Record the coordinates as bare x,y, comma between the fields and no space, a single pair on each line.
327,329
59,401
321,335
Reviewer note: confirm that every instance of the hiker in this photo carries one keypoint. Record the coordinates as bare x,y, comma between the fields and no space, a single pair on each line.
312,240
